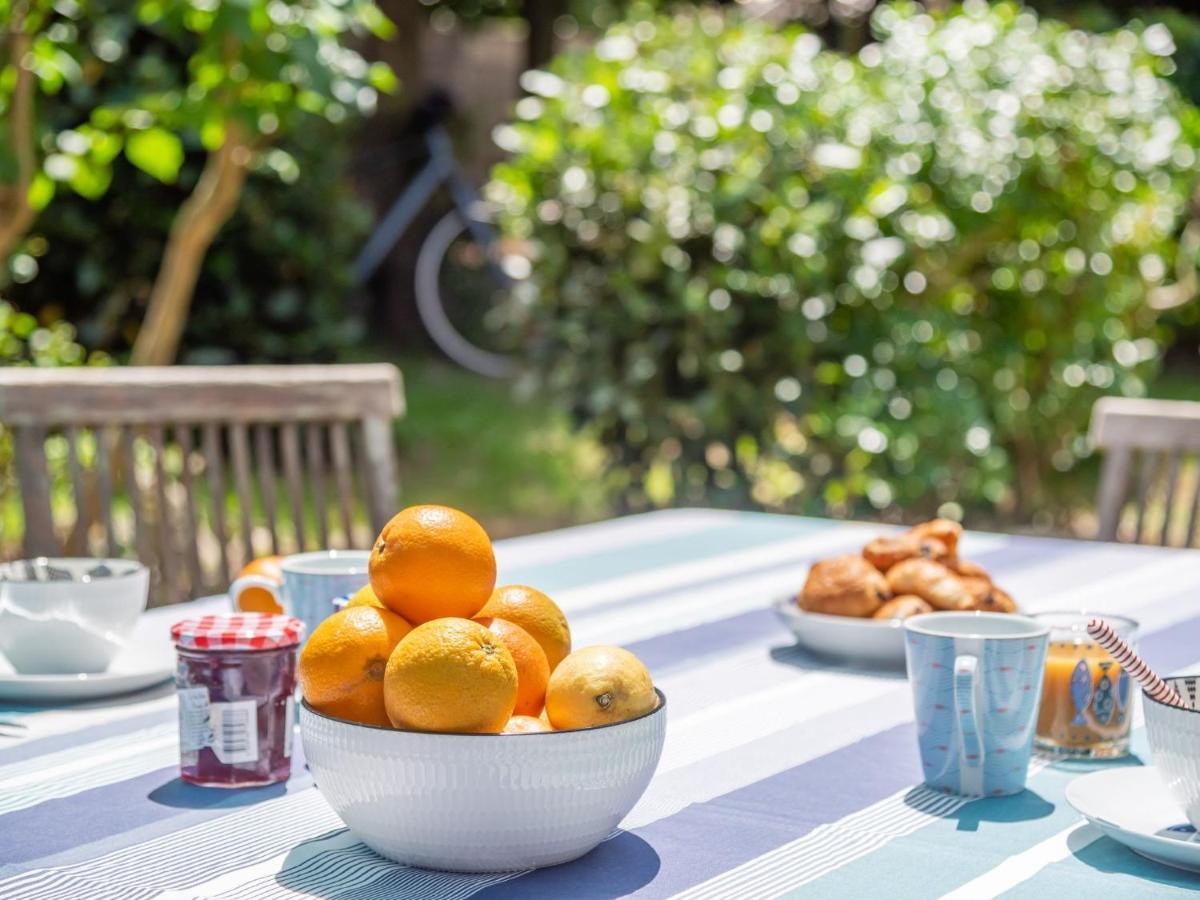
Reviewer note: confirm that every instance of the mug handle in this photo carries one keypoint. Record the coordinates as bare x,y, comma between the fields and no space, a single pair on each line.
246,581
965,674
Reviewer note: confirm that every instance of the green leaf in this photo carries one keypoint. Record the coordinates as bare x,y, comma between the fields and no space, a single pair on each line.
381,77
41,191
156,152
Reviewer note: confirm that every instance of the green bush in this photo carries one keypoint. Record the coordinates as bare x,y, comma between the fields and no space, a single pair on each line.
769,272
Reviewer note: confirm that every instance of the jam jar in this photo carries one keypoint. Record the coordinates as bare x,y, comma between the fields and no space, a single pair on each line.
236,681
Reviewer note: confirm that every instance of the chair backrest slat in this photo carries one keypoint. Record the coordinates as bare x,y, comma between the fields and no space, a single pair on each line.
77,543
104,489
264,453
289,440
28,443
191,551
215,472
239,453
1165,434
127,453
190,468
315,454
339,446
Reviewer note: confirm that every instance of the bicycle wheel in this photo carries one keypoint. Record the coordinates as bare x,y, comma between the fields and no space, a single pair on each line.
456,292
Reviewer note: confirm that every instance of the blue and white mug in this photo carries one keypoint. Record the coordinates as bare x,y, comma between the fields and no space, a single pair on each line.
311,581
976,680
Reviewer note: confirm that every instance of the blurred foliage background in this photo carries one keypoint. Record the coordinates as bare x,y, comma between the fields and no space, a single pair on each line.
864,286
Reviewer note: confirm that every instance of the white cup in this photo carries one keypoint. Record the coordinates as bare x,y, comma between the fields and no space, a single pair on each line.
53,627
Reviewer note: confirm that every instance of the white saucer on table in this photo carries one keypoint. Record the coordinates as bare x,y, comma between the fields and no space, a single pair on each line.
148,659
1131,805
878,642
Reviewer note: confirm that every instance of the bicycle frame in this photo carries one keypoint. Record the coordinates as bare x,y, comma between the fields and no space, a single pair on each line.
442,168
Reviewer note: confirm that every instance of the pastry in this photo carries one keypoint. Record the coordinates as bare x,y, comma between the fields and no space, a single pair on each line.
884,552
968,569
944,530
932,582
844,586
996,600
902,607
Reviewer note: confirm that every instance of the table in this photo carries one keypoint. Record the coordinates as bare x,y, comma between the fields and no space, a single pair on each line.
781,773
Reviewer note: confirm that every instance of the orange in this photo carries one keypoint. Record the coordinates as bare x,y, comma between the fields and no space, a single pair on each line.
532,669
450,675
432,562
599,686
537,614
256,599
525,725
364,596
342,665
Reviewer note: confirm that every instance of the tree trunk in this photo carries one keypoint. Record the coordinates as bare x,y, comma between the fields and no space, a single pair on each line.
201,216
540,14
16,215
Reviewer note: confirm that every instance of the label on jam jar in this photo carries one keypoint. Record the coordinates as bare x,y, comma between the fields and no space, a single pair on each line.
235,731
194,732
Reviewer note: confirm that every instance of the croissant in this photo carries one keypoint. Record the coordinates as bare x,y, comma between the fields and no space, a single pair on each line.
968,569
902,607
885,552
844,586
932,582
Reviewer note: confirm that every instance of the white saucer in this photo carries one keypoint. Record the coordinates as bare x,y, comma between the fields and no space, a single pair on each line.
878,642
144,663
1131,805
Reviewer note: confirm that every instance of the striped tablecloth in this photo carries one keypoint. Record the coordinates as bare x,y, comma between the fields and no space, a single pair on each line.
781,773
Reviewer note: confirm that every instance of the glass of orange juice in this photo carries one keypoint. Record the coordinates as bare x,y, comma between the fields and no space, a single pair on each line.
1087,698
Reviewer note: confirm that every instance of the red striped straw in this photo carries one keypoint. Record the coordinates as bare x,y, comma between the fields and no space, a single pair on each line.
1158,689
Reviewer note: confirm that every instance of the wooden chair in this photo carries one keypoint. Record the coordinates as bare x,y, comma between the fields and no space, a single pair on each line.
134,461
1166,435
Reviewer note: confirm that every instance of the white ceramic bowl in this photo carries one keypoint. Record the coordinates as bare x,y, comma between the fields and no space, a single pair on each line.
69,627
482,802
1174,736
871,642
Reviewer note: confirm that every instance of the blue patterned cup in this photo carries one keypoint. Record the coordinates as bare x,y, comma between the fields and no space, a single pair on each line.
976,680
311,581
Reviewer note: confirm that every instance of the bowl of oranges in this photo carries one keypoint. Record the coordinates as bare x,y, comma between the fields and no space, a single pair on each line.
449,723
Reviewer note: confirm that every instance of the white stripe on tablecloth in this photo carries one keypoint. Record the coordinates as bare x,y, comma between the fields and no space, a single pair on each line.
93,765
1024,866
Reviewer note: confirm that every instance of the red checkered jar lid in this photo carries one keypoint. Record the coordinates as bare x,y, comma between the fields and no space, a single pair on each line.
238,631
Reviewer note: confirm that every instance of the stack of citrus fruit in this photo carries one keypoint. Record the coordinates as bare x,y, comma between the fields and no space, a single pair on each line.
431,644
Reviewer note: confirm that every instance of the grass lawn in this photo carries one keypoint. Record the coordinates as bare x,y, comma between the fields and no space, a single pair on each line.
513,463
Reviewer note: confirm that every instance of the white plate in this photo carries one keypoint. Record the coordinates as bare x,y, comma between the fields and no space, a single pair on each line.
147,661
871,641
1131,805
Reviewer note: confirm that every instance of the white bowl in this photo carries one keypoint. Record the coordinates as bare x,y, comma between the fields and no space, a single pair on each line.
873,642
69,627
482,802
1174,736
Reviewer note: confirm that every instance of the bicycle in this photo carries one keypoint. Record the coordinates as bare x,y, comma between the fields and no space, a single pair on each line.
443,249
